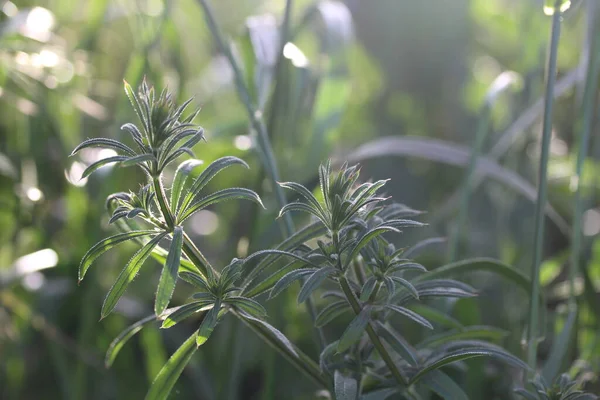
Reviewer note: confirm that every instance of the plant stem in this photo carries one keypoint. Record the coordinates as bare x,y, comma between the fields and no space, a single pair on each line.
161,197
542,191
482,129
371,332
587,109
258,124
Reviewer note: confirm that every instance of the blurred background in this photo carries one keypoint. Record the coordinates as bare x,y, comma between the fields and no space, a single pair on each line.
397,86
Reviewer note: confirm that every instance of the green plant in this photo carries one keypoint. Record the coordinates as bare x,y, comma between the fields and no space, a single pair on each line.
370,276
563,388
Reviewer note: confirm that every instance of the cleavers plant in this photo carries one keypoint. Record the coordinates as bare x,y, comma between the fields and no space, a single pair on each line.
344,253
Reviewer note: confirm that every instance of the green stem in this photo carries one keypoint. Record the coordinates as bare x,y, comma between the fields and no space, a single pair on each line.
542,191
589,94
371,332
161,198
258,124
481,133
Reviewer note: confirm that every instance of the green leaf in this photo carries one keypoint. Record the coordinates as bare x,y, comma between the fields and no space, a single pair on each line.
247,305
398,343
195,279
127,275
559,348
416,249
472,332
314,281
304,192
479,264
218,197
288,279
443,385
381,394
437,316
208,324
168,277
185,311
355,330
209,173
346,388
179,180
462,350
254,288
104,245
524,393
367,238
170,372
438,288
301,207
368,288
100,164
117,344
136,105
300,237
135,160
273,331
105,143
407,285
330,312
410,314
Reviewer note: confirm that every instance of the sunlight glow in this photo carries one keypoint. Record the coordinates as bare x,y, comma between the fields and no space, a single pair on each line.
38,24
295,55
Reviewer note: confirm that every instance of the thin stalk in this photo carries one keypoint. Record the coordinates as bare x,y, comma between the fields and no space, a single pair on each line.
542,191
258,124
482,130
161,197
385,356
587,109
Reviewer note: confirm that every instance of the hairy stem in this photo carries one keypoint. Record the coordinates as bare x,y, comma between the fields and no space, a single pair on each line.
371,332
161,198
542,191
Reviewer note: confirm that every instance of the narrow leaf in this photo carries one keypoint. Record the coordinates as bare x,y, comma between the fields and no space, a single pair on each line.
276,333
208,324
117,344
288,279
410,314
218,197
101,163
249,306
443,385
181,175
127,275
185,311
105,143
367,238
398,343
314,281
168,277
346,388
354,331
330,312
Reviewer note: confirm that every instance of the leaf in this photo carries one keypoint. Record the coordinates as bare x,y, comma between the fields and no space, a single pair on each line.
470,332
368,288
195,279
117,344
367,238
168,277
100,164
288,279
346,388
181,175
208,324
410,314
330,312
524,393
398,343
127,275
381,394
185,311
247,305
462,350
170,372
303,235
314,281
307,194
104,245
452,154
559,348
407,285
443,385
437,316
136,105
218,197
135,160
263,285
437,288
416,249
207,175
106,143
354,331
301,207
479,264
276,333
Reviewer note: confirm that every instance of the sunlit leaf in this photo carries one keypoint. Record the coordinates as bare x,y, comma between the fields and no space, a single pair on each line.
181,175
168,277
184,312
208,324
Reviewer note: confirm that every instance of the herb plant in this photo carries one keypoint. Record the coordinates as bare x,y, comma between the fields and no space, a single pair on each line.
344,254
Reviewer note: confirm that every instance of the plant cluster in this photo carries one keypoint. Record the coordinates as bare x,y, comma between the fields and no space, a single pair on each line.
345,251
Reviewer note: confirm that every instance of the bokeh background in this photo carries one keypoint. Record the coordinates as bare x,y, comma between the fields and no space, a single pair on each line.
395,85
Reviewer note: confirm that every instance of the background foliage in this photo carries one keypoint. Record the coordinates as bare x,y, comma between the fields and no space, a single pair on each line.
397,86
